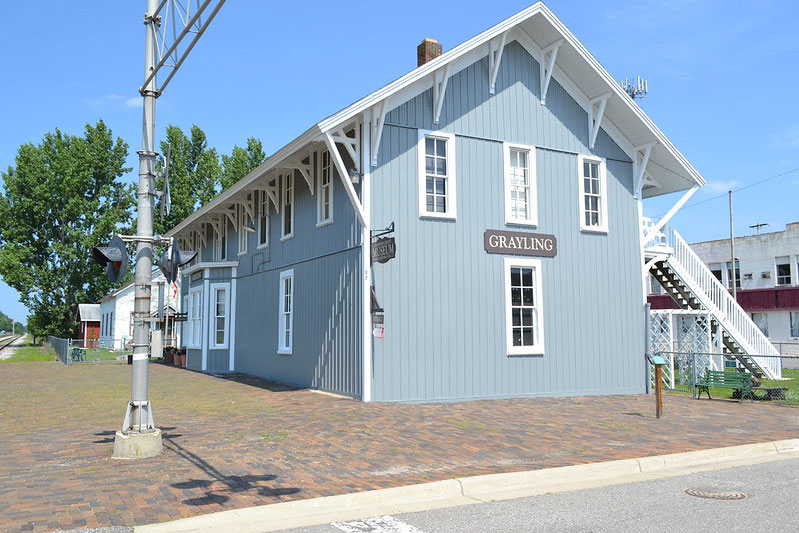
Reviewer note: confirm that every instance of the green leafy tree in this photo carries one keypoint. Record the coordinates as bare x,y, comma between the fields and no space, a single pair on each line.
241,161
6,324
194,174
61,198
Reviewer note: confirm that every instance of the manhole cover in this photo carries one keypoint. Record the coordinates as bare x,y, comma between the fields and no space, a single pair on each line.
712,494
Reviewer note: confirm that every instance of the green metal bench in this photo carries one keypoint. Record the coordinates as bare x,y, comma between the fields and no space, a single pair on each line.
738,381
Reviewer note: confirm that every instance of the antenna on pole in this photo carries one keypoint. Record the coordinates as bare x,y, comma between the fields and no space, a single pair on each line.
636,88
758,226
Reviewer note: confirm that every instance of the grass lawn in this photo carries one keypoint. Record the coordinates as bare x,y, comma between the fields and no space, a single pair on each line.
790,381
31,353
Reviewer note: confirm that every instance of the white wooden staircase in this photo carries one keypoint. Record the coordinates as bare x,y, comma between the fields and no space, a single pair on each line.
684,276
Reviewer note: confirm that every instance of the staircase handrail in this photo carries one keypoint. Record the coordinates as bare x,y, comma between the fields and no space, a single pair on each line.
720,302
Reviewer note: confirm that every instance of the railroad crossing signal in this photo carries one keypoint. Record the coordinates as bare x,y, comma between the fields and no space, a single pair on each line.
172,260
114,258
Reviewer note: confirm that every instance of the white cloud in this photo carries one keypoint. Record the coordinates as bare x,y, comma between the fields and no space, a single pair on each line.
133,102
721,186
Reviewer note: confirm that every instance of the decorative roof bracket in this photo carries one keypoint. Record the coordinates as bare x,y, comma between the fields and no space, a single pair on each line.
547,65
378,121
440,80
494,59
595,117
639,165
343,174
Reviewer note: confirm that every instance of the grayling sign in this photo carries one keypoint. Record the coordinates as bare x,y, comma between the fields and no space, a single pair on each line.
519,243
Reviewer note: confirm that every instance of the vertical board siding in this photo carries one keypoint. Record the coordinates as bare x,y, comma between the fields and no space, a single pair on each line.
327,309
327,316
444,295
513,114
326,263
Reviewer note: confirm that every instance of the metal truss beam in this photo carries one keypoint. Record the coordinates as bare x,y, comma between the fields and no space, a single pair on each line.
176,14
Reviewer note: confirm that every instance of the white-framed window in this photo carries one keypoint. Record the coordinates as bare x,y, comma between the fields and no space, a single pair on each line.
263,220
794,319
593,194
654,285
220,242
285,333
437,184
244,219
287,217
737,274
324,200
184,326
195,318
783,267
220,302
521,202
761,321
524,309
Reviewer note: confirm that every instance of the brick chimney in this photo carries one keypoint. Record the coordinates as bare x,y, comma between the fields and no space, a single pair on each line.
428,50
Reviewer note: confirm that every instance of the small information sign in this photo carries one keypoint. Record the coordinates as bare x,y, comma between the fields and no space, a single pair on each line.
384,250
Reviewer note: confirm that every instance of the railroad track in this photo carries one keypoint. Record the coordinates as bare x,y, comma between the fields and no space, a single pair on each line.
6,341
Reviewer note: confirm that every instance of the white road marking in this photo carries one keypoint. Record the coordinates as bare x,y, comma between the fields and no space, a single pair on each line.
376,524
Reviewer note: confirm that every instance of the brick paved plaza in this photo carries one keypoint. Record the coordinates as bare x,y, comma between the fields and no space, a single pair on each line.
237,443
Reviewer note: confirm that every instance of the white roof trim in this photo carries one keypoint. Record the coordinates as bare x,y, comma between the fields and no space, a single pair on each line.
420,79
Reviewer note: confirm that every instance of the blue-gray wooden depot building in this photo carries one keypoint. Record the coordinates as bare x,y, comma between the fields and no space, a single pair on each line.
520,130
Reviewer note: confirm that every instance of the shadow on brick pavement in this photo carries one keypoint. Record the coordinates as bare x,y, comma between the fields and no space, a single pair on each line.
237,441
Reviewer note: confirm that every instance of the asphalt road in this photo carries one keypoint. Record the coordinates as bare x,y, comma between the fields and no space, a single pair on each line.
771,503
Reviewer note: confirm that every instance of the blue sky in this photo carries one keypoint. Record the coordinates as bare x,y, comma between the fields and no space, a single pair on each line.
722,79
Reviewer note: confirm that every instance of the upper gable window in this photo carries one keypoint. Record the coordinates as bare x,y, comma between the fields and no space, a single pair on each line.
244,219
324,207
437,175
288,206
593,194
521,206
220,241
263,219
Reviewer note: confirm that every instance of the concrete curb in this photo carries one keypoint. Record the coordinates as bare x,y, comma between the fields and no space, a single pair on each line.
476,489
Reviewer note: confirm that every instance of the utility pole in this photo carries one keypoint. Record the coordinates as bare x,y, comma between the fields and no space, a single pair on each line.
732,254
139,438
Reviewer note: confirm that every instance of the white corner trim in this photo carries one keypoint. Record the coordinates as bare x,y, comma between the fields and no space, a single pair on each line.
532,199
206,295
538,348
452,174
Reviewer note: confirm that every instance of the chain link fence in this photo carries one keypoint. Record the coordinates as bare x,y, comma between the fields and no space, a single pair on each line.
104,350
684,370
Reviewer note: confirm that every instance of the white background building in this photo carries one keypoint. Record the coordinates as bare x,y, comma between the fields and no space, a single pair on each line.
767,278
116,311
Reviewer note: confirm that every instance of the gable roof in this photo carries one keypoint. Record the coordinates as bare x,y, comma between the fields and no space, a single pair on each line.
155,276
580,74
89,312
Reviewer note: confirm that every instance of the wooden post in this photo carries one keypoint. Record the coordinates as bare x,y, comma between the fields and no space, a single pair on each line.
659,390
